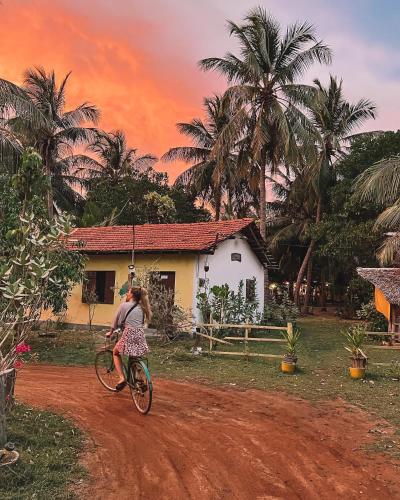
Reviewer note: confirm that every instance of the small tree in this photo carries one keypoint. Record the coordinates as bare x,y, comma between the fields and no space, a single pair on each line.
90,298
37,271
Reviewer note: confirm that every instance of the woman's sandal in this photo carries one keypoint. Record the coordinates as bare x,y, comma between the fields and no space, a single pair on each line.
121,385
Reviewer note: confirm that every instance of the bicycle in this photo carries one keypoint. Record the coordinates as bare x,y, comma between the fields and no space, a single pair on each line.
136,373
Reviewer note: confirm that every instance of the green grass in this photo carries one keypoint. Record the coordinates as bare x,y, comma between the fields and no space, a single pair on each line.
49,446
322,367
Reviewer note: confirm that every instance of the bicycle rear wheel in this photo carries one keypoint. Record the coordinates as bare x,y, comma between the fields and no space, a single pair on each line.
105,370
140,385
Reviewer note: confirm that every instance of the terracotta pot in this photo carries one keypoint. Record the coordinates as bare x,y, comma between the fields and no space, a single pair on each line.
356,372
288,367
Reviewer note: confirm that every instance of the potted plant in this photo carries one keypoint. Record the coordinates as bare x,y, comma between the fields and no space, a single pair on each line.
290,358
355,338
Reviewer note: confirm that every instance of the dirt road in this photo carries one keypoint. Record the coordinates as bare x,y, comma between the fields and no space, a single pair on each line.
201,442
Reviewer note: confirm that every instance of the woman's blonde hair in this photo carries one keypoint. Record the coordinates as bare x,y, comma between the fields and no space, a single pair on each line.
142,297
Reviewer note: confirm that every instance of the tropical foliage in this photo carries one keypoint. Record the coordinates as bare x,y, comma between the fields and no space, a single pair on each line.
335,192
37,271
221,304
54,135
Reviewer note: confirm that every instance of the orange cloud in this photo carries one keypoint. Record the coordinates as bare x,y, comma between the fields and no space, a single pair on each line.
137,88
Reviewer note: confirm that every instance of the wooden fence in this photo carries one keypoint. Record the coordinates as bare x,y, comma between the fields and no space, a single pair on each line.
210,328
389,335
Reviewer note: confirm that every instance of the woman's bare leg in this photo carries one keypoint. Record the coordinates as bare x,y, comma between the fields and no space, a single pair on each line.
118,365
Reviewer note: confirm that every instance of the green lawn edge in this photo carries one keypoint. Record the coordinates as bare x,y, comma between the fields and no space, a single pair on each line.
49,446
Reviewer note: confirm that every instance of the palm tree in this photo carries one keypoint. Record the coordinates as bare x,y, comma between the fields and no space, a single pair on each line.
380,183
335,119
264,94
207,175
293,215
114,159
55,135
14,101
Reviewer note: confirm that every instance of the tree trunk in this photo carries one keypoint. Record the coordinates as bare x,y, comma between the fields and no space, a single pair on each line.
309,286
263,203
3,434
301,272
263,229
218,201
307,257
323,291
48,170
291,287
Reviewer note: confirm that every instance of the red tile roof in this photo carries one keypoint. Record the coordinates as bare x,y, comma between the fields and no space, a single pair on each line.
194,237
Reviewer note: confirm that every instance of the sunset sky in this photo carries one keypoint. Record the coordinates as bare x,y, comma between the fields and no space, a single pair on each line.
137,59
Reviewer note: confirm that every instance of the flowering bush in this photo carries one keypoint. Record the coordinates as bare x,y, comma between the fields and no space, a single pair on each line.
22,354
37,271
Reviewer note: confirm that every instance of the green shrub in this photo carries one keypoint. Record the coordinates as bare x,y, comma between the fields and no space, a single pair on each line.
375,321
280,313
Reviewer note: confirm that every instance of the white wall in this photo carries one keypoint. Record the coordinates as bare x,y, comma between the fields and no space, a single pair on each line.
223,270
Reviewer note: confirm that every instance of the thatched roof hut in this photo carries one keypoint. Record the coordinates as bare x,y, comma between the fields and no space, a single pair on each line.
387,291
387,279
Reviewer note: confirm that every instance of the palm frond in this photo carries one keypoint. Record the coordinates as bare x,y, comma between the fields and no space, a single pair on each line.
82,114
380,182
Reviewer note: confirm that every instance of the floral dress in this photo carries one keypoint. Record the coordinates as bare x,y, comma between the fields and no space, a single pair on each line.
133,341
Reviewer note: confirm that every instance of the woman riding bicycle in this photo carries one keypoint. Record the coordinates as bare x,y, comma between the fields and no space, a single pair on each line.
131,315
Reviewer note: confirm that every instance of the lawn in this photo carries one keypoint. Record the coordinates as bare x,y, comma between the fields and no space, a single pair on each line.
49,446
322,374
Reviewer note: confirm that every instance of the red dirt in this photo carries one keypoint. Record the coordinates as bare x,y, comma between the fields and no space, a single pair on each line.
201,442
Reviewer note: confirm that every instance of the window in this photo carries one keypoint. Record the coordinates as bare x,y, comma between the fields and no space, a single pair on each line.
98,287
251,290
236,257
164,278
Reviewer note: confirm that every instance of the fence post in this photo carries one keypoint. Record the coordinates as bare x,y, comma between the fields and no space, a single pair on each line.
211,342
290,329
246,343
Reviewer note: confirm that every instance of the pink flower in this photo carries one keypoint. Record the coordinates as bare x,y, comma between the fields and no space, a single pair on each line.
22,347
18,364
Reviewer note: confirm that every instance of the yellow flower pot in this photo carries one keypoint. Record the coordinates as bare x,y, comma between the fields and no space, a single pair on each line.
357,373
288,367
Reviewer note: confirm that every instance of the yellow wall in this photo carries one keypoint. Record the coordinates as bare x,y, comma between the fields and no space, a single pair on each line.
381,304
183,266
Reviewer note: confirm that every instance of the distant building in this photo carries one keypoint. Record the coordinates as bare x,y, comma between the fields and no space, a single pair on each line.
182,256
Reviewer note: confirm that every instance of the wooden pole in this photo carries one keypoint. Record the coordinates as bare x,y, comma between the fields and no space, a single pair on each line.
211,342
246,343
290,329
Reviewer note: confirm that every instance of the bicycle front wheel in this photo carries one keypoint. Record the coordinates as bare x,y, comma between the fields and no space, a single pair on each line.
140,386
105,370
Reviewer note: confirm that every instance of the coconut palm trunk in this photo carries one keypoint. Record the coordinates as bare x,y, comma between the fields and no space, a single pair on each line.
263,226
48,170
309,287
307,257
218,202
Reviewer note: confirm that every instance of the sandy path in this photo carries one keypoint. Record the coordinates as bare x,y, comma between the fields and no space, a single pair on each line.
201,442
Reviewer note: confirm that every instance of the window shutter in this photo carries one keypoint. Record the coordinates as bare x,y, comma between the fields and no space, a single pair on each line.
109,287
89,283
